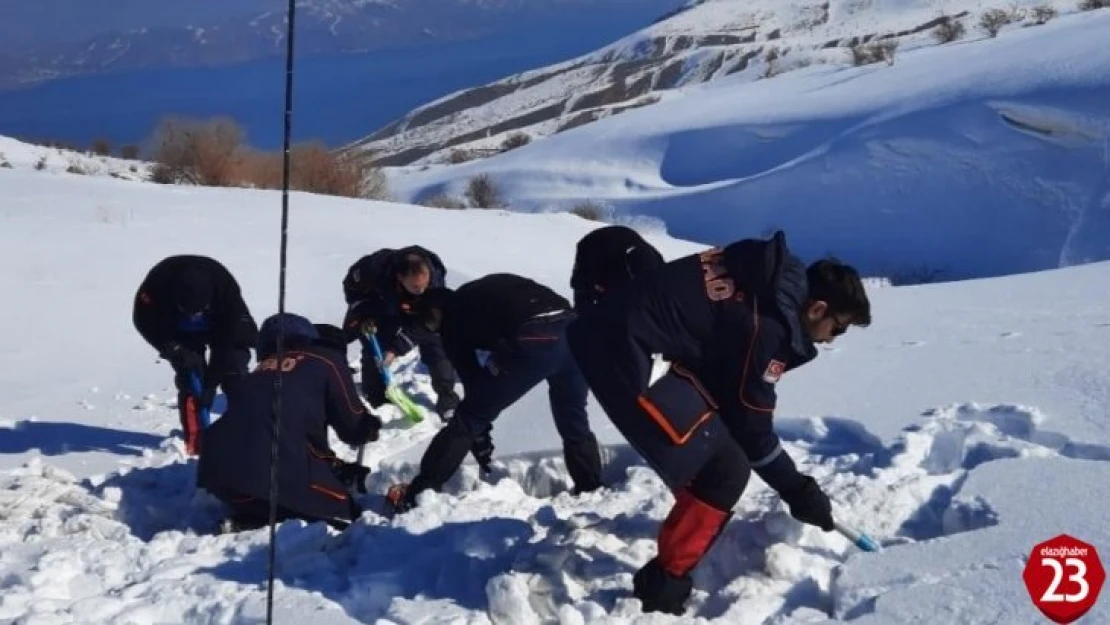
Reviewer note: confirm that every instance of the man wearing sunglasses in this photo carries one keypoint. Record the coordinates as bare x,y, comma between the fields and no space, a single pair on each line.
731,321
186,305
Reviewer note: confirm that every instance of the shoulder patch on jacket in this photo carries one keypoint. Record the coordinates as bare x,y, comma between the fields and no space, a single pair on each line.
774,371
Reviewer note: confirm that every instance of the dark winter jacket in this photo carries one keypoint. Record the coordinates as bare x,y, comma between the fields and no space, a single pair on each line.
487,314
731,317
373,292
192,282
606,259
318,392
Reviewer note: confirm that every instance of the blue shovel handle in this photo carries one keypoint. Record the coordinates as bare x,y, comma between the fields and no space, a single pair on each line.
379,358
859,539
205,417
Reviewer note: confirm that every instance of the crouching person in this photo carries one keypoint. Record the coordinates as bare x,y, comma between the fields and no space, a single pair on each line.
317,392
732,321
505,334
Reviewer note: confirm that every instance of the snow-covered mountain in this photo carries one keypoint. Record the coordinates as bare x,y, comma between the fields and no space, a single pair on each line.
975,158
207,34
703,41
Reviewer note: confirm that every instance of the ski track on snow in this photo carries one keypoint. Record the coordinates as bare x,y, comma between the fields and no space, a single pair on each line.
133,546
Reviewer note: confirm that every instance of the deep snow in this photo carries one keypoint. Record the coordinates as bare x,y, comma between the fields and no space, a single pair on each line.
965,426
978,158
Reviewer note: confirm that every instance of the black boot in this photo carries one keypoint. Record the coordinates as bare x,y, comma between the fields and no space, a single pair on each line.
659,591
583,458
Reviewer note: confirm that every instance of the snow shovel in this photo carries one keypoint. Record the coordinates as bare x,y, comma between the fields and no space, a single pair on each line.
205,415
861,540
393,393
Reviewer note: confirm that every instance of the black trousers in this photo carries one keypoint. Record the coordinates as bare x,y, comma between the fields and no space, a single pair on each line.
672,425
221,363
541,354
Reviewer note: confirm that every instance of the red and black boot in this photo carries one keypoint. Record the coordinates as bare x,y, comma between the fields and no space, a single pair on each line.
691,528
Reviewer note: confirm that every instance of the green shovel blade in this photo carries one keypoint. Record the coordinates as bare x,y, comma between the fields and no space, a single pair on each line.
398,398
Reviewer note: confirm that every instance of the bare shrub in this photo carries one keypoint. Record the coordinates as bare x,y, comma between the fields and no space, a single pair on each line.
1042,14
993,20
75,168
921,274
459,156
1091,5
442,200
129,152
162,174
101,147
41,163
874,52
4,163
515,140
949,30
770,59
198,152
483,193
314,169
590,210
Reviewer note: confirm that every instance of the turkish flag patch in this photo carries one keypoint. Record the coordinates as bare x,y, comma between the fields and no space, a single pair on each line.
774,371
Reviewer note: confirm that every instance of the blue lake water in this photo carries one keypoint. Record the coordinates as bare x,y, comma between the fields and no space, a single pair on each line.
336,99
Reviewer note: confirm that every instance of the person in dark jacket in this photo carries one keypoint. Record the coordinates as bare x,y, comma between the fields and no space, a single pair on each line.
730,321
186,305
606,259
505,334
317,392
381,291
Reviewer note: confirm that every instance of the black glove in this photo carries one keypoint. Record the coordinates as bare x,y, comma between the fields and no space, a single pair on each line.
183,359
810,505
375,428
482,449
350,474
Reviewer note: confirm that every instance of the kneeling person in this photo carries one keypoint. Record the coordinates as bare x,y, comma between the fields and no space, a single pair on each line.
505,334
317,392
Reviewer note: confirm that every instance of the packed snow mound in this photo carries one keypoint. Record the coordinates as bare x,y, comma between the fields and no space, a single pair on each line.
966,160
966,425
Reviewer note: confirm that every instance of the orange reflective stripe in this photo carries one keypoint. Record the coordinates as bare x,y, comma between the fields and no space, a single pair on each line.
665,424
329,492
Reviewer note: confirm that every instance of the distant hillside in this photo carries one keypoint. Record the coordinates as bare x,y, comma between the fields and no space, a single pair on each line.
704,41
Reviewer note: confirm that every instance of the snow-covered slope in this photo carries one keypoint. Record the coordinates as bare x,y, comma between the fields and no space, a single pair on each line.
20,155
969,159
965,426
746,40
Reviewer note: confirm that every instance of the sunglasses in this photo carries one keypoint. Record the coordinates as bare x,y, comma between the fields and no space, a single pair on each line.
839,327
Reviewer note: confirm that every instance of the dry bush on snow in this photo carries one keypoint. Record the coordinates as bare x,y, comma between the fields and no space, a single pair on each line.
213,153
949,30
483,193
515,140
590,210
874,52
197,152
1042,14
993,20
